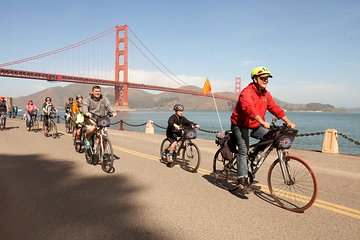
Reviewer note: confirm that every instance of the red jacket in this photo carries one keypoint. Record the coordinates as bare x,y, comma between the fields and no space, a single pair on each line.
251,103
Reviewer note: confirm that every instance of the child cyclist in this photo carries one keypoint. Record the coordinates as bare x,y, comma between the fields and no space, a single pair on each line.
173,131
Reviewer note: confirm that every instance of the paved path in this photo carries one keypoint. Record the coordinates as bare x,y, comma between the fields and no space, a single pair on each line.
48,191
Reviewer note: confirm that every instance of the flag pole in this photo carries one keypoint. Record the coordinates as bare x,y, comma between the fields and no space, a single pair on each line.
217,111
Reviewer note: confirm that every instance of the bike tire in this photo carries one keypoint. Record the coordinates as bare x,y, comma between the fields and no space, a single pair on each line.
191,157
107,157
165,144
2,126
35,125
226,178
299,195
53,129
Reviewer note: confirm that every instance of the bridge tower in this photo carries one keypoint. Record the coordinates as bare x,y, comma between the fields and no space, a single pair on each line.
121,68
237,85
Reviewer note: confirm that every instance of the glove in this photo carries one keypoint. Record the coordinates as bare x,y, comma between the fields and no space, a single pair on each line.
197,126
177,127
114,114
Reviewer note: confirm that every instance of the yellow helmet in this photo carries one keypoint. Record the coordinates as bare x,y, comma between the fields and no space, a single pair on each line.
260,71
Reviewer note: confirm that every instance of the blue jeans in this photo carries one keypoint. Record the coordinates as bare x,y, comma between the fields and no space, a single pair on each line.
28,119
242,137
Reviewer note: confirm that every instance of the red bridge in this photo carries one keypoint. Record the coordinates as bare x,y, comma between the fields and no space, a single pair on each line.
63,60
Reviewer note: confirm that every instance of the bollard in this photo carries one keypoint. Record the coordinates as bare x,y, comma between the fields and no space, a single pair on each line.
121,125
149,127
331,143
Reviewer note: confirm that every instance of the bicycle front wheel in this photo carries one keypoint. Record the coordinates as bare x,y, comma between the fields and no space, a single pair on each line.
2,125
190,157
52,129
294,187
107,157
224,172
36,125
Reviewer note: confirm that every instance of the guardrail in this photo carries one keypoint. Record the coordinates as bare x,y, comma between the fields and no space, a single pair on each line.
330,142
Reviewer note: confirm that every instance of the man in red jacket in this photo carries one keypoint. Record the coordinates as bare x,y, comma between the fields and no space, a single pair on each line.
248,117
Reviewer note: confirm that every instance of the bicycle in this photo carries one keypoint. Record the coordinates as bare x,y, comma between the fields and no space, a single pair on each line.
34,122
189,151
52,128
291,181
101,146
80,144
2,120
69,124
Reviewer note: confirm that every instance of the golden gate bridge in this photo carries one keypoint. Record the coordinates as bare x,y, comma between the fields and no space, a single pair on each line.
80,63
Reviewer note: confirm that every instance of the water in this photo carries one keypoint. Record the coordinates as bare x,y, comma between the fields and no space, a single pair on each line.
306,122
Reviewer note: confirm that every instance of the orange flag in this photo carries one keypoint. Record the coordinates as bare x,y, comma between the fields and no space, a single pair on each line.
206,87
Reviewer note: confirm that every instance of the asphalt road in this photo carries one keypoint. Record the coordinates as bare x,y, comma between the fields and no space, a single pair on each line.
48,191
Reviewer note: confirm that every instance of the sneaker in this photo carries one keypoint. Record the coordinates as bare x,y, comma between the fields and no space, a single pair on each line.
169,158
28,129
243,185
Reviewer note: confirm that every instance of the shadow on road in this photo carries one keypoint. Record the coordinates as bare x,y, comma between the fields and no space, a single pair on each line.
41,199
211,179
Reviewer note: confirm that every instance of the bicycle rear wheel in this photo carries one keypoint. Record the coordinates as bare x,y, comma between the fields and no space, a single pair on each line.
165,144
224,172
107,157
190,157
297,194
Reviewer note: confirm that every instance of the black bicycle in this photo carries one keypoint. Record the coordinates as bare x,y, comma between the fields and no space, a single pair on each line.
79,142
34,122
2,120
291,181
101,150
52,128
188,152
69,124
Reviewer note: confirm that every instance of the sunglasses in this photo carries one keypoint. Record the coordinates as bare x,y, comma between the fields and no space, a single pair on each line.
264,79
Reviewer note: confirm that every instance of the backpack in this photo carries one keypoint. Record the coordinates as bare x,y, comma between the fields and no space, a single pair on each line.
227,142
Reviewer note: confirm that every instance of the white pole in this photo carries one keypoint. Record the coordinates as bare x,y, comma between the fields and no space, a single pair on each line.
217,111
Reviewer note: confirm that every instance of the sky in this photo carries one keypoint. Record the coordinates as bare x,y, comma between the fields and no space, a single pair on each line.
312,48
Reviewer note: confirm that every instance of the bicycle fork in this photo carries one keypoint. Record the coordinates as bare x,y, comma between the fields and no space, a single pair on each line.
284,166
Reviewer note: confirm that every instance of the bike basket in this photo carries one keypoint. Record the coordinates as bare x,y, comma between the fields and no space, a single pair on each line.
286,139
103,122
52,115
190,133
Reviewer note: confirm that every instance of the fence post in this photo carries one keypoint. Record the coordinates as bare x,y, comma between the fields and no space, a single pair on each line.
149,127
331,142
121,125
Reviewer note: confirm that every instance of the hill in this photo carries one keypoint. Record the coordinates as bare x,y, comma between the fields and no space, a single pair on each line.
140,99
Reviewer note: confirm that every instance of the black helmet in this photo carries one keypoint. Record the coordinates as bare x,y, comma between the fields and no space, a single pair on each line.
78,96
178,107
71,99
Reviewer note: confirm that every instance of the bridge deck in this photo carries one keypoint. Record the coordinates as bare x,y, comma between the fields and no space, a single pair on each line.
48,191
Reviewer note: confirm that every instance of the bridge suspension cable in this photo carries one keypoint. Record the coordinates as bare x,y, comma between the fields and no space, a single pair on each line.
147,49
97,36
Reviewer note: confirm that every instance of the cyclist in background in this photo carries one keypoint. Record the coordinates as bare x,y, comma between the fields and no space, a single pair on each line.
78,116
68,109
31,109
173,130
3,108
98,104
47,109
248,117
